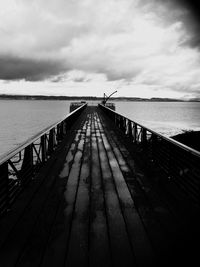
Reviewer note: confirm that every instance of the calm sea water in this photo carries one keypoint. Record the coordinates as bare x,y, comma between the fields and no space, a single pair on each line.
168,118
21,119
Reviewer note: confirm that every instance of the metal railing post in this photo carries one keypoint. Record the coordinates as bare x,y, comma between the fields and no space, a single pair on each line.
44,148
174,159
59,132
143,136
27,165
154,146
62,129
121,123
135,133
5,202
51,142
130,132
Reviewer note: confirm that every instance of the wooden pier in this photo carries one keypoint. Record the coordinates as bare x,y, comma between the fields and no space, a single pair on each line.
92,204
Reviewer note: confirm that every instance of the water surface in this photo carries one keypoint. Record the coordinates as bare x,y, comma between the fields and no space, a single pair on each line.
168,118
21,119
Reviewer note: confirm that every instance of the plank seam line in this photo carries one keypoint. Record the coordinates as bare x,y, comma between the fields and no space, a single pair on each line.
104,201
74,203
147,198
61,198
120,203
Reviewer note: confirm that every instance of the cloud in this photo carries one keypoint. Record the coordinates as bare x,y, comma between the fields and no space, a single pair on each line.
15,68
143,42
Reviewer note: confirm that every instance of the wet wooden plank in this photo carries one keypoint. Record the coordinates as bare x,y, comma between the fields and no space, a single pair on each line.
99,210
78,247
139,238
162,226
120,246
137,234
99,254
55,254
140,192
18,236
8,222
35,246
151,223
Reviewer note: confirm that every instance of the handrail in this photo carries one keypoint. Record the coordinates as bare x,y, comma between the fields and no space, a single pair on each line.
179,163
14,151
181,145
20,165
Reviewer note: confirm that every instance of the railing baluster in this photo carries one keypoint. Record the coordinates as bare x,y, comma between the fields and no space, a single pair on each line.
44,148
135,133
5,203
130,130
64,127
154,147
143,137
27,165
19,166
51,142
176,160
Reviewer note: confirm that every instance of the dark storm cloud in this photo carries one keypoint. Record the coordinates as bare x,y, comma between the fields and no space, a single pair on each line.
193,6
191,20
15,68
186,11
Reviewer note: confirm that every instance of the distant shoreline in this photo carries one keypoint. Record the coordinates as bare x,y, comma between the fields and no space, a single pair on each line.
90,98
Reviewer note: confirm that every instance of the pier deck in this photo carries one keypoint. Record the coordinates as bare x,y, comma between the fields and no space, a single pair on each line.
91,205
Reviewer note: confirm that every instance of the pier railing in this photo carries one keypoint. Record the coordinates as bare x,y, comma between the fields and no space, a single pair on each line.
180,163
19,166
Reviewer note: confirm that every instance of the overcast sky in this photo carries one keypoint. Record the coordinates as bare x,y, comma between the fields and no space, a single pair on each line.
142,48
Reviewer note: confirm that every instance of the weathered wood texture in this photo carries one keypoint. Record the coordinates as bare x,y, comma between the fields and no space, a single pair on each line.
91,205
